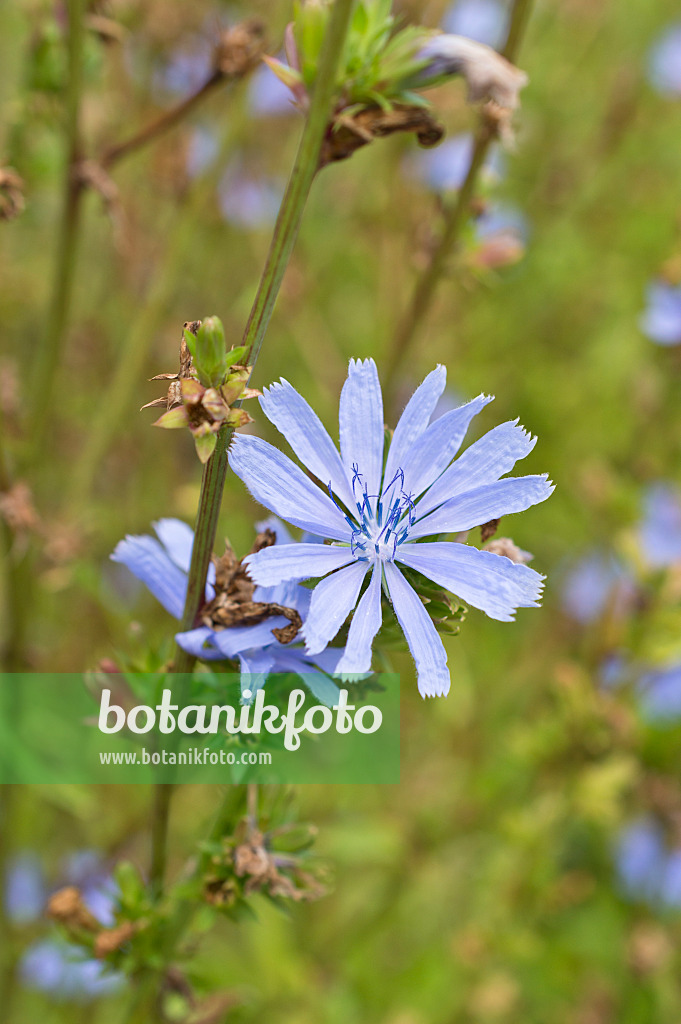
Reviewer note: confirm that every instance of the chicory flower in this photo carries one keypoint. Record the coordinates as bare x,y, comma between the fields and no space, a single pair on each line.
378,516
163,566
661,319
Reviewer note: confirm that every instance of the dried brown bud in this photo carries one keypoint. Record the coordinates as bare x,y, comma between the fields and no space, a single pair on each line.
350,132
111,939
17,509
240,49
505,546
11,194
67,906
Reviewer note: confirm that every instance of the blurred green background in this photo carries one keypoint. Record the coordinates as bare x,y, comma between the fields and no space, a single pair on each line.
484,888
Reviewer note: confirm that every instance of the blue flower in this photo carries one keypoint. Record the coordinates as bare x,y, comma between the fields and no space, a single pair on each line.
25,890
661,319
378,516
596,582
659,532
445,167
62,971
163,564
267,94
664,65
486,21
660,694
248,201
648,870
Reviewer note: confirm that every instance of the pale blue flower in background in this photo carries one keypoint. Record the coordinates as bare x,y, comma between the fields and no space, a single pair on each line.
649,870
664,62
248,200
502,219
186,69
202,151
486,21
63,972
25,889
376,516
661,319
660,694
659,532
595,582
444,168
267,94
163,564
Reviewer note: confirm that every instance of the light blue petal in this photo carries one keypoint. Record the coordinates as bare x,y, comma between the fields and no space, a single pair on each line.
238,639
414,419
295,562
319,684
484,504
290,594
278,484
150,563
332,601
200,643
361,425
256,666
492,583
424,643
432,452
276,525
178,540
365,624
307,436
490,458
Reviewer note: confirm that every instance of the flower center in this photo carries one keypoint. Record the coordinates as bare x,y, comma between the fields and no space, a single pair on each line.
382,521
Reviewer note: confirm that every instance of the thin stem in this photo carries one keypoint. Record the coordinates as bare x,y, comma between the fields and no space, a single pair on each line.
455,220
52,344
283,240
160,820
161,125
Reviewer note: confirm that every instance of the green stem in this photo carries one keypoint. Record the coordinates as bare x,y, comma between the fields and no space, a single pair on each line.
49,353
283,240
455,220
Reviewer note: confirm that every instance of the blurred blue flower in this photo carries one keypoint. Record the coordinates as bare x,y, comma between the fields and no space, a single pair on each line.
486,21
62,971
267,94
660,694
25,890
661,319
593,583
445,167
85,869
186,68
659,532
249,201
162,565
648,870
664,62
502,219
377,514
202,151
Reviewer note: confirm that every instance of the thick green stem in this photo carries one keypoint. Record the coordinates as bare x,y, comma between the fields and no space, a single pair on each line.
283,240
50,350
455,220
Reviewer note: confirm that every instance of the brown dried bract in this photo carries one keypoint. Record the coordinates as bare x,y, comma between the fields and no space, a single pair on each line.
264,870
233,604
240,48
505,546
174,396
489,529
67,906
11,194
349,132
18,510
110,940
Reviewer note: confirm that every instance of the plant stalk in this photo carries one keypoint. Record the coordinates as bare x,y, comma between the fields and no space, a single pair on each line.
455,220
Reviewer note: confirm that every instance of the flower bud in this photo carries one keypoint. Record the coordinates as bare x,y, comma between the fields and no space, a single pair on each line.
210,355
